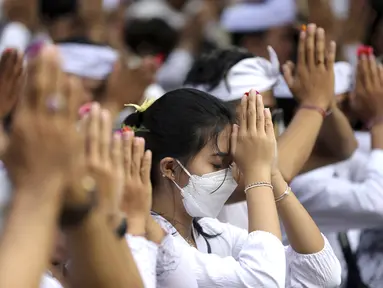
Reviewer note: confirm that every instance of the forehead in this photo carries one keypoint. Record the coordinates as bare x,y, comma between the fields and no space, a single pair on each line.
222,143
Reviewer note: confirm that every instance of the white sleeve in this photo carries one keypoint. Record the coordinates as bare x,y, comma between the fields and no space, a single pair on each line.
173,265
261,263
321,269
173,72
15,35
49,282
334,202
145,254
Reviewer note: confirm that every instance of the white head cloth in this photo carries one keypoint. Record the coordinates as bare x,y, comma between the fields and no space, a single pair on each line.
110,5
343,81
156,9
87,60
251,17
251,73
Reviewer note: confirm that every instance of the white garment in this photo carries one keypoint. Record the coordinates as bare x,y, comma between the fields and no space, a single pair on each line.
49,282
172,73
346,195
258,259
15,35
145,255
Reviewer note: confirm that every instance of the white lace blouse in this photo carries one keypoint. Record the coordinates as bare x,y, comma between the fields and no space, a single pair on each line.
239,259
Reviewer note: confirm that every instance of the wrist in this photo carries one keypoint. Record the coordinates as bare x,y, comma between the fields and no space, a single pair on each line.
257,175
136,226
320,109
375,122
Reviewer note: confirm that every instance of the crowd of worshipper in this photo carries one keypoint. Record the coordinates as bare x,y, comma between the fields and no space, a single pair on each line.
191,143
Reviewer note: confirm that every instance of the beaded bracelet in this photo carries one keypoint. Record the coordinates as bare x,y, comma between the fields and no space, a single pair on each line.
281,197
257,185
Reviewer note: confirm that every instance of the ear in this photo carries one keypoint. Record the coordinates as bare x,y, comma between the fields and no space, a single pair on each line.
167,167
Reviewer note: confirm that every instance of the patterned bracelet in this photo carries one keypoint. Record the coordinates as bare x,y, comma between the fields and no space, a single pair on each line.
320,110
257,185
281,197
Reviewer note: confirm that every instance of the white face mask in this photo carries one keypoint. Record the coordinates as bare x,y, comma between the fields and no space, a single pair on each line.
204,196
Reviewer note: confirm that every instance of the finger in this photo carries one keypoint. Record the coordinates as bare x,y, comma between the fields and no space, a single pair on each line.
269,127
366,76
380,69
105,136
243,120
331,55
73,97
260,114
320,46
373,69
301,61
310,48
234,139
93,133
146,167
288,70
117,159
138,153
49,78
127,142
251,111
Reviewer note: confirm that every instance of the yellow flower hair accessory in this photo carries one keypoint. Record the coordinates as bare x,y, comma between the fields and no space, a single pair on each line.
142,108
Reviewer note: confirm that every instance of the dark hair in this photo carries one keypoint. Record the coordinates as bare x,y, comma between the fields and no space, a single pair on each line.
237,37
180,124
150,37
210,69
53,9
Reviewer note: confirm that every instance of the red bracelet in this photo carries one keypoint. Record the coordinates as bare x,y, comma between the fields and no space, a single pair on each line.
320,110
373,122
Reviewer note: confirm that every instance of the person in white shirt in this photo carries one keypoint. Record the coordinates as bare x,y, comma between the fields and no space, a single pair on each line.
188,132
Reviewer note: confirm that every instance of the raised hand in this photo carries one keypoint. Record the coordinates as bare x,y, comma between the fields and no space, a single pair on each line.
103,157
128,82
137,196
44,137
368,98
11,72
312,80
253,142
22,11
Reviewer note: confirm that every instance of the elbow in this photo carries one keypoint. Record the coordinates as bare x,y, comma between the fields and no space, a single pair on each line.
347,150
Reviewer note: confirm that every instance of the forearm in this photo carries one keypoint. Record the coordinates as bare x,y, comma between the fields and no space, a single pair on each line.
99,258
302,232
28,238
337,135
296,143
262,211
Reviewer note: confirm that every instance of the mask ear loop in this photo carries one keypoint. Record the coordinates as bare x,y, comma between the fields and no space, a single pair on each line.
187,173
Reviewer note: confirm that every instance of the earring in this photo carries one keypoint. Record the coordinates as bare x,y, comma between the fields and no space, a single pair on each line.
163,175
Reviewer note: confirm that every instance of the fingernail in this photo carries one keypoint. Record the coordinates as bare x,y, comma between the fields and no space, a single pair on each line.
257,93
136,141
34,50
84,109
247,94
303,28
117,134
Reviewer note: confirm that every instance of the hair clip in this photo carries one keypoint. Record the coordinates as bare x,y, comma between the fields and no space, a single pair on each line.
142,108
126,128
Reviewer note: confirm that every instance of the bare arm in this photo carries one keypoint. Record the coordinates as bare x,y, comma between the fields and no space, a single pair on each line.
336,141
29,235
99,258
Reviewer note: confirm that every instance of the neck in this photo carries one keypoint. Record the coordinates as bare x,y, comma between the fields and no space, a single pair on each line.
169,205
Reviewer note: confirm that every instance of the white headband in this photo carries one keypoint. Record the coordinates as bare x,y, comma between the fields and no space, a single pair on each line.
87,60
343,81
249,17
251,73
